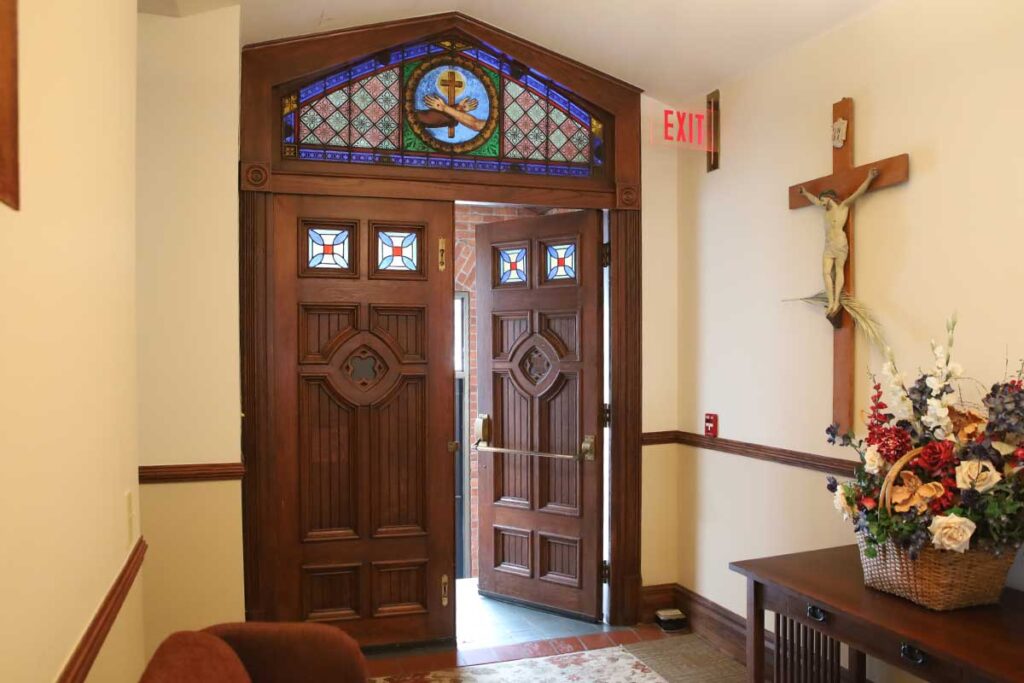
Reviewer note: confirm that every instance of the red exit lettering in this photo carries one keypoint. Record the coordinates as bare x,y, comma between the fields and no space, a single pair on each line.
683,126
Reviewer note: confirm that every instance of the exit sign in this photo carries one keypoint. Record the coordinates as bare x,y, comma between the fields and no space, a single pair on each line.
684,127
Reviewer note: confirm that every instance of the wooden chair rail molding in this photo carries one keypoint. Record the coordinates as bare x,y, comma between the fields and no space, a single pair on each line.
172,474
782,456
78,665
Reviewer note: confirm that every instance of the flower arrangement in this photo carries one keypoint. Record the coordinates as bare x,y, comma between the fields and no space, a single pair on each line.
936,471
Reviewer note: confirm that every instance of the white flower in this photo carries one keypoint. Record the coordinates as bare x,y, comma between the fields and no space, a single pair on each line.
935,384
873,460
950,532
839,501
979,475
956,370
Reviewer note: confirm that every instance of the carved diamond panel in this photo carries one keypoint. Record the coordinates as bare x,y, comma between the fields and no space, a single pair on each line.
365,368
535,365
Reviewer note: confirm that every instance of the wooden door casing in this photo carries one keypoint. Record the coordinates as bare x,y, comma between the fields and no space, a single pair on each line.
361,486
541,382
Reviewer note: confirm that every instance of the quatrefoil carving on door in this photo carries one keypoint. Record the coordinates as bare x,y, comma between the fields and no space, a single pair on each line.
535,365
364,368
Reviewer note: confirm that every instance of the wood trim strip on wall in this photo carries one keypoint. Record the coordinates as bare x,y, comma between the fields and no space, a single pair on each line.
782,456
9,182
171,474
624,484
78,665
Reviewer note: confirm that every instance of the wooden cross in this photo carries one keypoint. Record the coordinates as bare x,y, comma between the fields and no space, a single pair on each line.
454,86
844,180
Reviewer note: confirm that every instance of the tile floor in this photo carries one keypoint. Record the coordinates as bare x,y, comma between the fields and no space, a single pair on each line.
485,622
489,631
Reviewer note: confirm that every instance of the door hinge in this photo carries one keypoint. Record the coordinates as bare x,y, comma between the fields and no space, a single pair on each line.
606,415
606,254
606,571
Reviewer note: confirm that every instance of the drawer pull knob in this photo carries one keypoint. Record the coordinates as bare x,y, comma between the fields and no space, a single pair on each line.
816,613
912,654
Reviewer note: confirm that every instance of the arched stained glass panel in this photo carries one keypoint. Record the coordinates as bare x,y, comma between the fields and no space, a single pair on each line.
445,104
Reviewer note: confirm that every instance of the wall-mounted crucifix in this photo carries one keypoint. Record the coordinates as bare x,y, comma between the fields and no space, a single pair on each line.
836,194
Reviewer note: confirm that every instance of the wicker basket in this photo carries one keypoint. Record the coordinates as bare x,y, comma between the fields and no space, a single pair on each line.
937,579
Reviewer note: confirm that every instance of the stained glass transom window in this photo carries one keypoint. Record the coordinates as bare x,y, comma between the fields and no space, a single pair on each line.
512,266
445,104
397,250
328,248
561,261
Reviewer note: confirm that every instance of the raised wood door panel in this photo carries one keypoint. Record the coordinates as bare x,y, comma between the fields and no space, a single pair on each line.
361,500
539,312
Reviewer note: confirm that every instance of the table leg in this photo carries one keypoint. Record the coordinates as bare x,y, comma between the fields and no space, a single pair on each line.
858,666
755,631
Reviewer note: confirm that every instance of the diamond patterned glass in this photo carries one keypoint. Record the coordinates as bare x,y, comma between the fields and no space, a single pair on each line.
561,261
397,250
512,264
358,114
363,114
328,248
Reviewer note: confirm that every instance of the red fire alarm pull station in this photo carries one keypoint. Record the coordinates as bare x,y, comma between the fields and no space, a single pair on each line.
711,424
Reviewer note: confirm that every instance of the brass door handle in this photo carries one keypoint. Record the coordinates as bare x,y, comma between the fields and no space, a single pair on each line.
483,434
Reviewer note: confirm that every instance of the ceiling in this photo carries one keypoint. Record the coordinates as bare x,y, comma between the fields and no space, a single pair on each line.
673,49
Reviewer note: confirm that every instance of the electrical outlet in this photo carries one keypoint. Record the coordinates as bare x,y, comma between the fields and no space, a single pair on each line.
711,424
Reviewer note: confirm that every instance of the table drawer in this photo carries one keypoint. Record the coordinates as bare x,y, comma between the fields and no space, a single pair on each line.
890,648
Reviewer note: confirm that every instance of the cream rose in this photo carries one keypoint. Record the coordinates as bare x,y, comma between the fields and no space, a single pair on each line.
950,532
840,502
979,475
873,460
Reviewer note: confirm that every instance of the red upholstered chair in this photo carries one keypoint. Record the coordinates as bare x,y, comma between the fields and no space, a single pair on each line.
258,653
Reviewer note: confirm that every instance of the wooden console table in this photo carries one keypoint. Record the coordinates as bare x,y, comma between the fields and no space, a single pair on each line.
820,601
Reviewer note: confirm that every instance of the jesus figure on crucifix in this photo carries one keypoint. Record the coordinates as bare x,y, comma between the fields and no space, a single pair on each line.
837,247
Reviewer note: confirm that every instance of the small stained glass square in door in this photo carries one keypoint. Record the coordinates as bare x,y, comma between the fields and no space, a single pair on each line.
561,261
328,248
512,266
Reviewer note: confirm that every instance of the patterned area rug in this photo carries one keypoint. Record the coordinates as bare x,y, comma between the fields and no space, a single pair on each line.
608,665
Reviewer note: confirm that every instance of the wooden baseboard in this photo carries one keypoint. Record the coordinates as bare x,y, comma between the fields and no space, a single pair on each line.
171,474
81,660
722,627
782,456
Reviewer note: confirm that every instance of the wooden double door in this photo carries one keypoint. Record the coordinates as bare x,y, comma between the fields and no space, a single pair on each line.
358,510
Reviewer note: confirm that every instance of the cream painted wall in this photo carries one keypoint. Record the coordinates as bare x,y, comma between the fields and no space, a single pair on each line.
189,402
929,78
193,571
67,349
187,252
659,540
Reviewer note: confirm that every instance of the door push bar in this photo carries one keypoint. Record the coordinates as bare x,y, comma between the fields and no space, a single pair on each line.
483,437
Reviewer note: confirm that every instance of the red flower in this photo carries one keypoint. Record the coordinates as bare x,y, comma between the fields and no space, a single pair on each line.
937,460
892,442
867,503
1018,455
946,500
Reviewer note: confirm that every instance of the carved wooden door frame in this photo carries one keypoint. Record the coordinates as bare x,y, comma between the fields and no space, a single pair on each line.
266,68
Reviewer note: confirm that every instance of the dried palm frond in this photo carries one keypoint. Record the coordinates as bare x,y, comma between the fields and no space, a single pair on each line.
861,315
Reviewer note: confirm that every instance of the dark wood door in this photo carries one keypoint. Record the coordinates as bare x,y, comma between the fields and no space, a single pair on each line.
539,293
361,492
